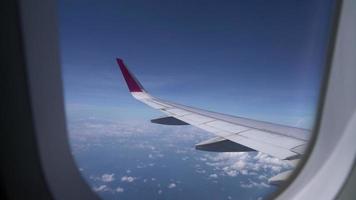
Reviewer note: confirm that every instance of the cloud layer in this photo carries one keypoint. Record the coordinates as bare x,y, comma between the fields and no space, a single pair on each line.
154,149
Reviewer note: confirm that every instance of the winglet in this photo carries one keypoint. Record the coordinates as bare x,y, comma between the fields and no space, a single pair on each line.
131,81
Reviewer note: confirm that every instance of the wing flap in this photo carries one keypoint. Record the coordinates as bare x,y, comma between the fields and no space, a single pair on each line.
168,121
220,144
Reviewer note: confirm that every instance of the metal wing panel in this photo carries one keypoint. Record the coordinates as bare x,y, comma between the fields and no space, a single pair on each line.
196,118
272,138
213,130
177,111
227,126
153,105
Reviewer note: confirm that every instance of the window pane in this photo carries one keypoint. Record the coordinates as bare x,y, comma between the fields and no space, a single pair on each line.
260,60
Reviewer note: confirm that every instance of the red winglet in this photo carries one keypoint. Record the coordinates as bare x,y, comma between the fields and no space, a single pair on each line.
132,82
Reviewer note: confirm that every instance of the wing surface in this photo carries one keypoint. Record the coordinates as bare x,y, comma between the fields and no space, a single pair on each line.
283,142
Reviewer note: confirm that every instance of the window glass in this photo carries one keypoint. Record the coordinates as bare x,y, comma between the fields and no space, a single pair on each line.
261,60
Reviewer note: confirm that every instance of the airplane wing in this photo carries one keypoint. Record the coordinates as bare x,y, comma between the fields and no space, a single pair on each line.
232,133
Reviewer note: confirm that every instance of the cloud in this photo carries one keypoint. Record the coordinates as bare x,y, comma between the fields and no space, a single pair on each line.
257,166
84,131
172,185
180,151
160,192
239,165
128,179
231,172
251,184
262,177
213,176
105,188
101,188
91,133
185,158
119,189
107,177
103,178
203,159
244,163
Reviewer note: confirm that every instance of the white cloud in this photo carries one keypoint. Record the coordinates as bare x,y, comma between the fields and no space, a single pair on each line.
246,163
160,192
185,158
203,159
213,176
108,177
262,177
101,188
128,179
251,184
172,185
179,151
257,166
119,189
245,172
239,165
231,172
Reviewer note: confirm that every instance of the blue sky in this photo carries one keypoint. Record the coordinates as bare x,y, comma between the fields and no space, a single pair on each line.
257,59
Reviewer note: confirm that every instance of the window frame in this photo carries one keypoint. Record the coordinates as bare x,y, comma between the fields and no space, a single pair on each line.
40,37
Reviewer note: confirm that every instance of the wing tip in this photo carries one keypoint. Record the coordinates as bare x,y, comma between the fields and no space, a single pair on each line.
132,83
119,60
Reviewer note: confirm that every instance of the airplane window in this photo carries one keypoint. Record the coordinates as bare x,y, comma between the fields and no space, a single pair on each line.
191,99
